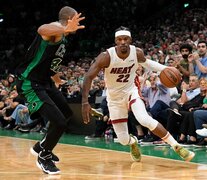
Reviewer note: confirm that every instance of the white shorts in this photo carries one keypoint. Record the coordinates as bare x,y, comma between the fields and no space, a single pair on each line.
119,106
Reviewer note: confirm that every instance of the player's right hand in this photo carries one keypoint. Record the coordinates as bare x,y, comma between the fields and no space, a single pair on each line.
86,108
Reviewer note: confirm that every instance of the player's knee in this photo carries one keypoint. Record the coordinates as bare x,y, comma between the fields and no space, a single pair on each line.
148,121
123,138
61,124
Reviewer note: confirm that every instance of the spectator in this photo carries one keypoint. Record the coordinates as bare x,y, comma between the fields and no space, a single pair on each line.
187,126
198,61
182,64
200,117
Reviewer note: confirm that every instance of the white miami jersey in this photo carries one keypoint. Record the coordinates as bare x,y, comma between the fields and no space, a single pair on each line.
120,75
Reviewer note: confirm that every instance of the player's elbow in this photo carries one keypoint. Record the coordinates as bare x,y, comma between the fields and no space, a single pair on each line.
41,30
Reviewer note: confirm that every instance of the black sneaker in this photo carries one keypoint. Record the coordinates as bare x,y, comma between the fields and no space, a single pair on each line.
24,129
174,111
46,164
43,130
180,141
35,150
148,140
93,137
201,144
36,128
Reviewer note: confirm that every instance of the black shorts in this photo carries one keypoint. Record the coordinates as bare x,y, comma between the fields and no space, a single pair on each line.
37,94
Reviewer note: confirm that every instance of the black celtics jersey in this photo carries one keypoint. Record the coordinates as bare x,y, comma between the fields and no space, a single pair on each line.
42,60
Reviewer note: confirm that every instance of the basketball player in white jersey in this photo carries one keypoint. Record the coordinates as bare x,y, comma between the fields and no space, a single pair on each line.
120,64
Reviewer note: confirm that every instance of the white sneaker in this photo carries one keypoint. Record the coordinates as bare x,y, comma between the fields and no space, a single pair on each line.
202,132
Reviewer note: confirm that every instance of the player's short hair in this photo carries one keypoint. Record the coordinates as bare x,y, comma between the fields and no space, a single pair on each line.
66,12
122,28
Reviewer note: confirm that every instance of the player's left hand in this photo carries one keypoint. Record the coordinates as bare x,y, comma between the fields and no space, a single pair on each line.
73,24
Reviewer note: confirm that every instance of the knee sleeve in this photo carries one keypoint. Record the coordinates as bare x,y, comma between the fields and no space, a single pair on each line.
139,110
147,121
121,131
123,138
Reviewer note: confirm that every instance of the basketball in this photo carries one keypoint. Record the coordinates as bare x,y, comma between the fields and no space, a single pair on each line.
170,77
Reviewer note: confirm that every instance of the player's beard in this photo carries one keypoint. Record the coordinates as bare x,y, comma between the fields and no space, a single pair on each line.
124,49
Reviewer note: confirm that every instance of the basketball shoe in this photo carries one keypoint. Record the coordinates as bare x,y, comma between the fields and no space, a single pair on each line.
35,150
174,111
45,163
183,153
202,132
96,112
134,150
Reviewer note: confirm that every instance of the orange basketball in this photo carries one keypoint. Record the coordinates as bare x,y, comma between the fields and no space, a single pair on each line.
170,77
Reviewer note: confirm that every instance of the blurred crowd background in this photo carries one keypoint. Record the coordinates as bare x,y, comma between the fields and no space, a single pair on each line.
155,25
159,27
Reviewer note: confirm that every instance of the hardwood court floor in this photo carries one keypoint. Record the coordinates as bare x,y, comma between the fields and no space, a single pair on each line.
80,162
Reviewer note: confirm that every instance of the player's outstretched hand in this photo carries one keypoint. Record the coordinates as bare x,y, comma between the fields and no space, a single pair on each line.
86,108
73,24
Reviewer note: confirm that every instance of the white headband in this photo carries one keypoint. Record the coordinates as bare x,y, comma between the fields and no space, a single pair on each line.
123,33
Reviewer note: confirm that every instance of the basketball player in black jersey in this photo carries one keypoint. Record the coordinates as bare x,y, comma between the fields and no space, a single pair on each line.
37,77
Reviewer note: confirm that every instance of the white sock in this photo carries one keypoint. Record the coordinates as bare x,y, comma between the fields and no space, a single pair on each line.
170,140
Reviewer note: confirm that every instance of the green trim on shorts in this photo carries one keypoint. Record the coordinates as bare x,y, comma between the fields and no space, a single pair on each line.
34,103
